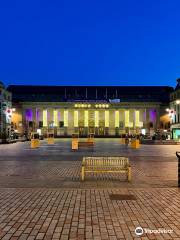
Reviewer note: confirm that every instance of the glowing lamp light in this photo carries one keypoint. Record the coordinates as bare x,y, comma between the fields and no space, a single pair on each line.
116,118
101,105
143,131
75,118
96,118
177,101
86,120
66,118
45,118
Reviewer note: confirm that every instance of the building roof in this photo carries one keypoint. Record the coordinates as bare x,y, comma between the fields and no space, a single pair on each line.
178,84
28,93
2,85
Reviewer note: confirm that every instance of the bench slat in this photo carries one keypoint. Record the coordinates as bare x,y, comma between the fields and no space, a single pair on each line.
106,164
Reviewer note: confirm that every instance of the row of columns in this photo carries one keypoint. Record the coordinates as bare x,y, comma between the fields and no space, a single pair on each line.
137,120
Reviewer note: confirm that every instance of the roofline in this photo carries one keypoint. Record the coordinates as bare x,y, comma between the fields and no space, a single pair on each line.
19,85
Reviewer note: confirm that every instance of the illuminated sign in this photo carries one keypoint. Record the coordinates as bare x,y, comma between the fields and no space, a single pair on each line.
115,100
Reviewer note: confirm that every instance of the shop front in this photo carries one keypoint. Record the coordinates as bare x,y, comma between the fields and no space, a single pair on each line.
175,131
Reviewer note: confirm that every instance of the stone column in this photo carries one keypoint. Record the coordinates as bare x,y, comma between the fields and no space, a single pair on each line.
157,118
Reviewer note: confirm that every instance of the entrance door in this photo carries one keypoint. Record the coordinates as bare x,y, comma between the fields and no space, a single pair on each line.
101,131
81,131
91,130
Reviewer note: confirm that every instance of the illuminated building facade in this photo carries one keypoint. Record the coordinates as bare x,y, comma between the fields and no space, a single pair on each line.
5,112
174,111
104,111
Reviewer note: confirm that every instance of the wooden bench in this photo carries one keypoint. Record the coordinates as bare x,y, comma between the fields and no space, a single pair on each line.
106,164
85,144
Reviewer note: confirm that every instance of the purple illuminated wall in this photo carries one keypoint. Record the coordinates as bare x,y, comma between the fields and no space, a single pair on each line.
144,116
152,115
59,116
37,115
48,115
29,115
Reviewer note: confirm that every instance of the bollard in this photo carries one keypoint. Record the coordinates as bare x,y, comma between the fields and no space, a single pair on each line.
178,156
75,141
50,139
35,143
135,143
75,144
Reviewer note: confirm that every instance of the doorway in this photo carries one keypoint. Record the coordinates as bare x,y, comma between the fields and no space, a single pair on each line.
101,131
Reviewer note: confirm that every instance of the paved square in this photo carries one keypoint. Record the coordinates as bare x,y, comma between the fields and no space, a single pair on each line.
42,197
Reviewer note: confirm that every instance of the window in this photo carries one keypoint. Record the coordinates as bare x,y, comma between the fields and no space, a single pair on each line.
30,124
61,124
40,124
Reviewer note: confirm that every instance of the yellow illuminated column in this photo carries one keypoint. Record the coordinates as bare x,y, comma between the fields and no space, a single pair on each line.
45,123
136,118
106,118
75,118
65,118
116,118
86,118
127,118
96,118
55,118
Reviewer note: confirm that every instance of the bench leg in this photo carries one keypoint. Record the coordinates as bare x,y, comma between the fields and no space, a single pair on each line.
82,174
129,174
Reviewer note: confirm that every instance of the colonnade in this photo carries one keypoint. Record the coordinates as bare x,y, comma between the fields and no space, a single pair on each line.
123,118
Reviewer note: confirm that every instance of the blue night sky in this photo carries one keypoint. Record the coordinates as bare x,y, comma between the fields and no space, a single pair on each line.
90,42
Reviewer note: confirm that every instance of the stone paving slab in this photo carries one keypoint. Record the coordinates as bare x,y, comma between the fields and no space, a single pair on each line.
42,197
102,147
62,174
88,214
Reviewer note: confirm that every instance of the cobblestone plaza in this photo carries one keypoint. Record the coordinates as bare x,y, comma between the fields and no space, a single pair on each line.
42,196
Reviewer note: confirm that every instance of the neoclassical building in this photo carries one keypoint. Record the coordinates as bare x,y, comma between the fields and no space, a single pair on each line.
104,111
174,111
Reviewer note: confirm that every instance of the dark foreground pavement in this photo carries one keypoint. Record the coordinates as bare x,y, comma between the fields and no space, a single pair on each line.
42,197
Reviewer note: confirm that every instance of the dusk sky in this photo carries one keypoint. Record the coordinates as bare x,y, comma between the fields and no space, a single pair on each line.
90,42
